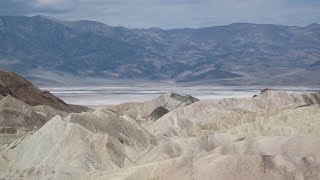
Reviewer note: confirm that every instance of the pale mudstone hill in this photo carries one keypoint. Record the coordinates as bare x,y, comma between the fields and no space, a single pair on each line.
205,117
141,111
24,108
18,119
275,135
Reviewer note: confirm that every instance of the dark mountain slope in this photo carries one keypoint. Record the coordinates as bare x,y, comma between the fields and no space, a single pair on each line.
13,85
237,53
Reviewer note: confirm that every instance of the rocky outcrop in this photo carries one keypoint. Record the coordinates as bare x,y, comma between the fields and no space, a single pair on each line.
270,112
157,113
24,108
23,90
18,119
272,101
19,116
141,111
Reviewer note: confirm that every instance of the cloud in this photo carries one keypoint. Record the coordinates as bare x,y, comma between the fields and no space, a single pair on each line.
51,2
171,13
27,7
54,6
62,4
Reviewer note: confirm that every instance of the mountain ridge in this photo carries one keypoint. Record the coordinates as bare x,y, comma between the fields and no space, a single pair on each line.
235,54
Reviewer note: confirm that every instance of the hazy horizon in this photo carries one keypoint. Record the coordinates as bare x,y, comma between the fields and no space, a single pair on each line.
63,20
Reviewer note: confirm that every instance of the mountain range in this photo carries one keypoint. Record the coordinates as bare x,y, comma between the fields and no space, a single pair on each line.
235,54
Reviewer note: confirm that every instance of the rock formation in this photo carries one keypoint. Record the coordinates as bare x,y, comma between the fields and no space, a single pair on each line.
141,111
157,113
23,90
24,108
275,135
18,119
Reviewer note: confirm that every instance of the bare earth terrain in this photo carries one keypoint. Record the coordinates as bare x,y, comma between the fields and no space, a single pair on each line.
274,135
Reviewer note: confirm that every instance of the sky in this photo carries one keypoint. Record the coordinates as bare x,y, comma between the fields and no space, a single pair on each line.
168,14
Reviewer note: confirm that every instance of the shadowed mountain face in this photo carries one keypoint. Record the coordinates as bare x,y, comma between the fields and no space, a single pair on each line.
233,54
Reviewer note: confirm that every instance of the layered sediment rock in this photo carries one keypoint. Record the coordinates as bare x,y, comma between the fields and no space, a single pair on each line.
141,111
18,119
157,113
275,135
24,108
23,90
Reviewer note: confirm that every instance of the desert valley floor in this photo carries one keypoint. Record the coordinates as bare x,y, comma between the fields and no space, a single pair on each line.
113,94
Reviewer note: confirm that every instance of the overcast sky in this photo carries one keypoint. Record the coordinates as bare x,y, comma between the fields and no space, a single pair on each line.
170,13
